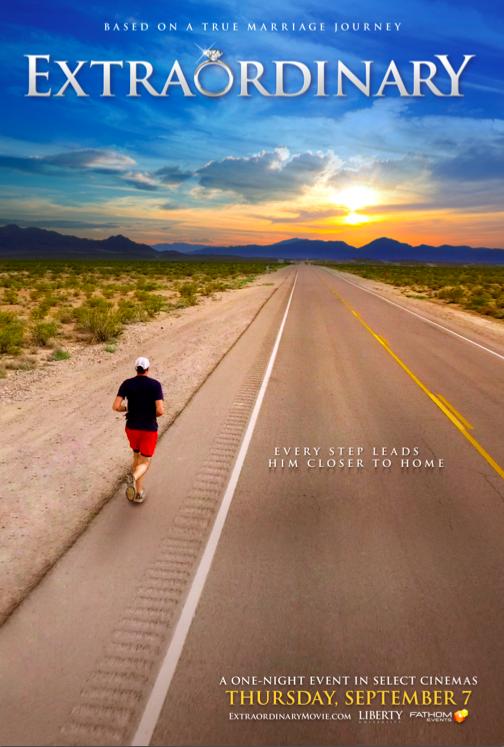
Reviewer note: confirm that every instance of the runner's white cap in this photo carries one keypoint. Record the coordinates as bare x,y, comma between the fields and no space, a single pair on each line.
142,362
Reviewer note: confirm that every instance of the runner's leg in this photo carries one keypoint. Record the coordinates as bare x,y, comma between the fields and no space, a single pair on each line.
143,464
136,456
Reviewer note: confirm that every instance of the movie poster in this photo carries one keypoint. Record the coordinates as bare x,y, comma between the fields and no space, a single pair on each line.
251,373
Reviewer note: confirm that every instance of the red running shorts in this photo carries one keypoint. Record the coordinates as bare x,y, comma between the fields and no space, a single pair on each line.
143,442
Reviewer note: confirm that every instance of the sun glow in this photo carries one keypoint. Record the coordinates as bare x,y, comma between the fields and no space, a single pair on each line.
356,197
355,219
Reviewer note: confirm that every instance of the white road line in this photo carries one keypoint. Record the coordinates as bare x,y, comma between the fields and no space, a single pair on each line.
162,684
424,318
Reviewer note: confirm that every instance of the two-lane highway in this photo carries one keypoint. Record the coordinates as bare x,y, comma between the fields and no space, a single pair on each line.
356,571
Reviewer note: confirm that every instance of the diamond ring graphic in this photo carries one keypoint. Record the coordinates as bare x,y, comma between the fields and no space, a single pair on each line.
213,57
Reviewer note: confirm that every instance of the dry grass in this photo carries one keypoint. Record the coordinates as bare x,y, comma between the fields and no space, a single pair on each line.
44,304
479,289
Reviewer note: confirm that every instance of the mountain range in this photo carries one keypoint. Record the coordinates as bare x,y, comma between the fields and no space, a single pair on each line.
379,250
39,243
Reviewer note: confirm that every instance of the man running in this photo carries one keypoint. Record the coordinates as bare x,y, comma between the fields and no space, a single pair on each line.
141,398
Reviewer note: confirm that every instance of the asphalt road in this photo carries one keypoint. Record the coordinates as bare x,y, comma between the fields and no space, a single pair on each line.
320,570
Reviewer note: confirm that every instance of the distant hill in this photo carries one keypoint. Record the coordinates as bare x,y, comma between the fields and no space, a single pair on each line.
182,247
379,250
388,250
37,243
288,249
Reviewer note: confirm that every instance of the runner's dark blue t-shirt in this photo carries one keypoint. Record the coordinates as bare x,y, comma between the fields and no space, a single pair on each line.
141,393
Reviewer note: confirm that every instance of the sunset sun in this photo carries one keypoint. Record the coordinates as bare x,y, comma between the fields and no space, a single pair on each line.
355,199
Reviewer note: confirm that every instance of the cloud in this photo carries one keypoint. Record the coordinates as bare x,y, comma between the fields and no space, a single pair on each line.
141,180
390,173
168,206
477,163
308,216
172,175
109,162
266,176
22,163
105,162
58,223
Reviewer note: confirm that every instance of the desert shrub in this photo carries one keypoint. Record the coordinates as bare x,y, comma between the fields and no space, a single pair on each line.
494,289
188,289
10,296
59,355
242,282
478,300
43,332
11,333
42,286
41,310
213,286
206,289
65,315
187,293
479,289
88,288
48,290
130,311
25,363
152,303
99,319
147,285
452,295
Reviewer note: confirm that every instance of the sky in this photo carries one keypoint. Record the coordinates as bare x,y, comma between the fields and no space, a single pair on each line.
235,170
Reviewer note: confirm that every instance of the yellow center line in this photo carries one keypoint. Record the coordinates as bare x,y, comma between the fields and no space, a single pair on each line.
457,414
458,420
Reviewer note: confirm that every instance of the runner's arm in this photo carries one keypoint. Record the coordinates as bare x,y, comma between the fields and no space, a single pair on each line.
119,405
159,408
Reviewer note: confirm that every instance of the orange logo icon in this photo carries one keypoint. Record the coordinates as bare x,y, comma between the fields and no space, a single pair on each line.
460,716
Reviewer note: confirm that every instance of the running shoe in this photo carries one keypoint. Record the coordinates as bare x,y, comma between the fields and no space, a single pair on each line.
130,487
139,497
